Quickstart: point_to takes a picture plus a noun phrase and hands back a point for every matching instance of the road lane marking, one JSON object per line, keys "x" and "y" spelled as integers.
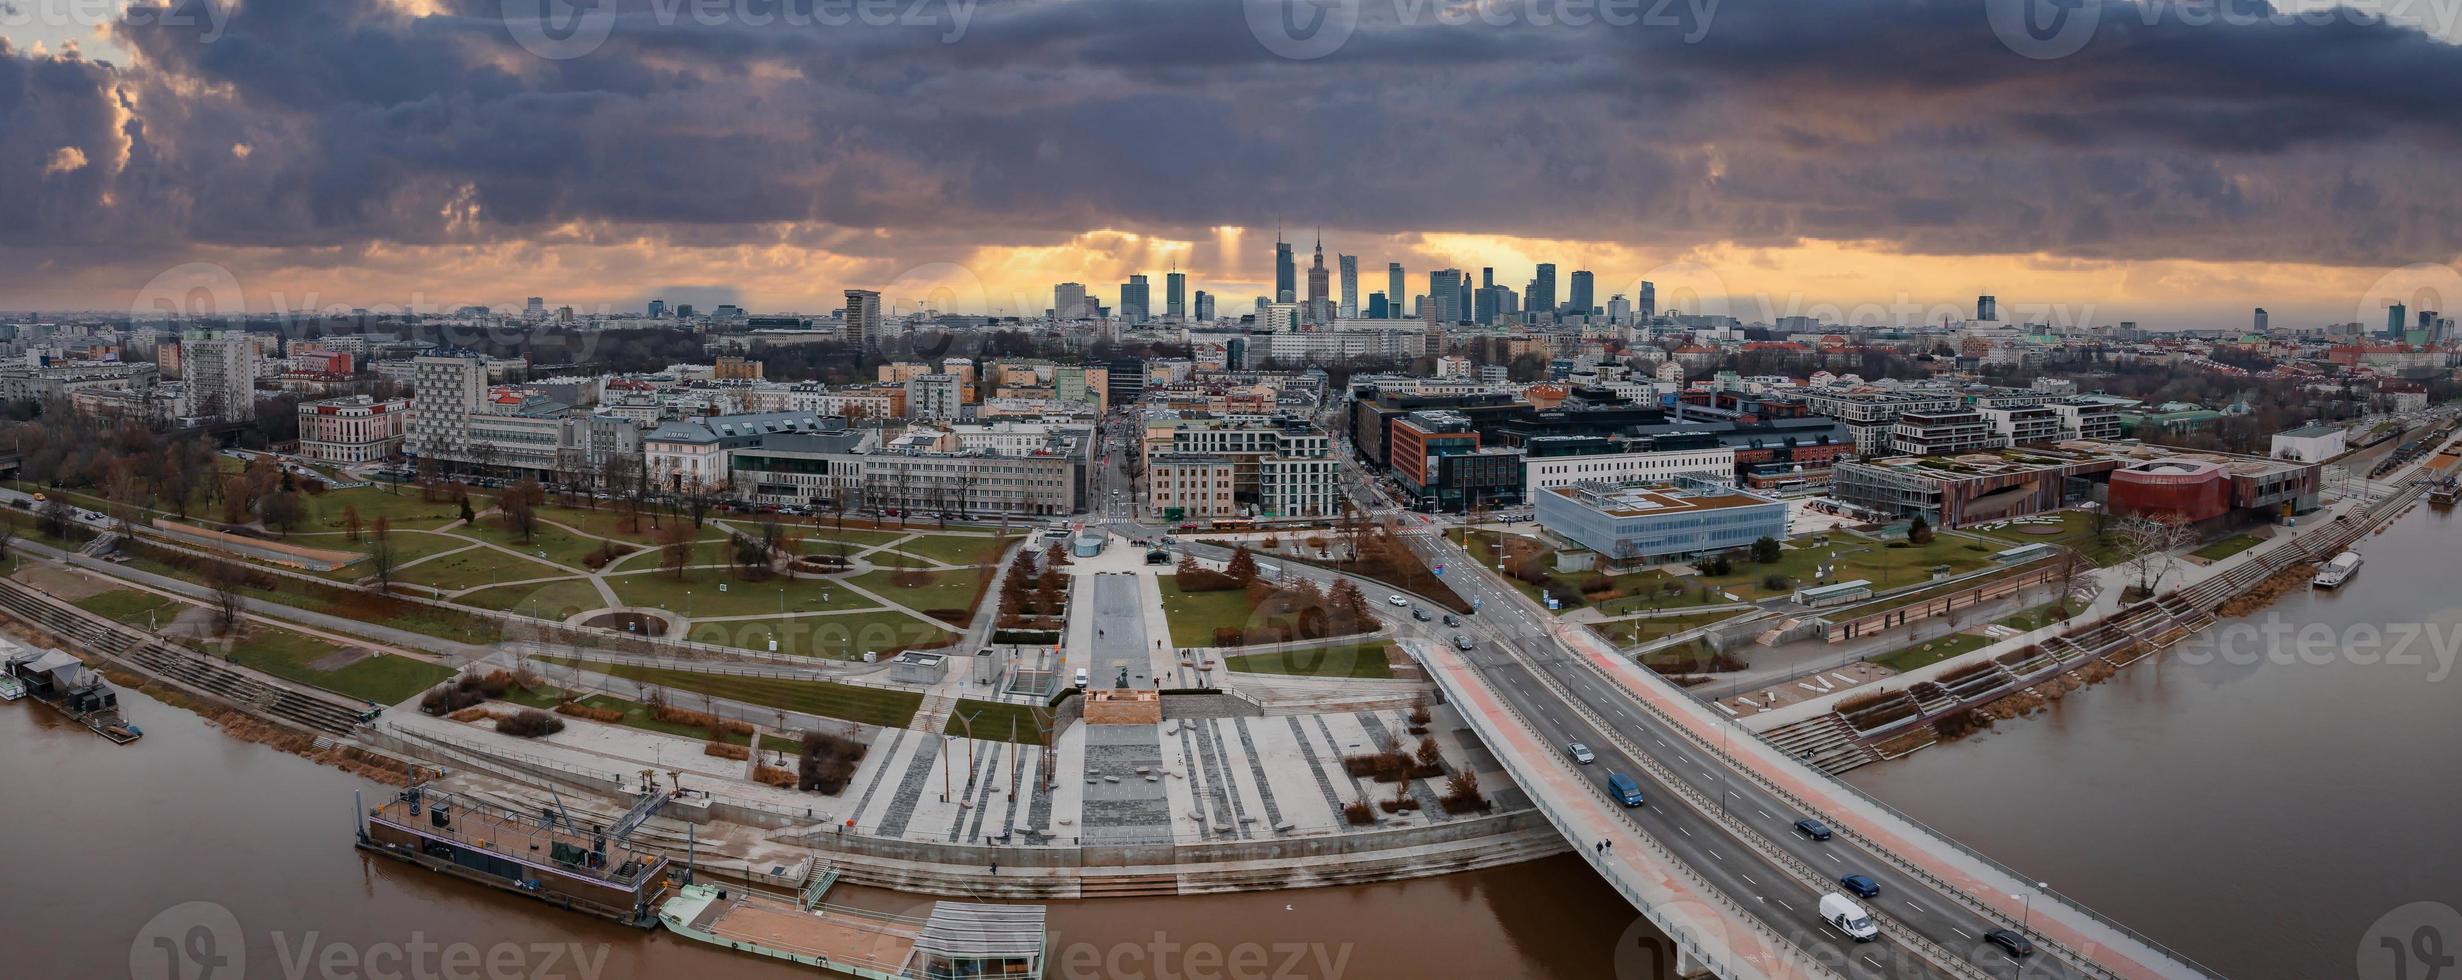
{"x": 1714, "y": 855}
{"x": 1782, "y": 901}
{"x": 1687, "y": 833}
{"x": 1748, "y": 879}
{"x": 1764, "y": 813}
{"x": 1961, "y": 932}
{"x": 1918, "y": 908}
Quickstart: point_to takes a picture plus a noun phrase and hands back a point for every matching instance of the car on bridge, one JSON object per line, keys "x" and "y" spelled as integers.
{"x": 1461, "y": 643}
{"x": 1812, "y": 828}
{"x": 1581, "y": 753}
{"x": 1420, "y": 615}
{"x": 2010, "y": 942}
{"x": 1850, "y": 918}
{"x": 1624, "y": 788}
{"x": 1398, "y": 601}
{"x": 1452, "y": 620}
{"x": 1862, "y": 885}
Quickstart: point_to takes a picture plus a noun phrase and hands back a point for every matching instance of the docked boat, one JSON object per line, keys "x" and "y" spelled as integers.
{"x": 2337, "y": 571}
{"x": 11, "y": 688}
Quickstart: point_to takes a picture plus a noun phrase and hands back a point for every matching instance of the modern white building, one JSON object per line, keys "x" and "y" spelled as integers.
{"x": 2311, "y": 443}
{"x": 1716, "y": 465}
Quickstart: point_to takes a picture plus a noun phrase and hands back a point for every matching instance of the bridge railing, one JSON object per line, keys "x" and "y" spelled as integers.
{"x": 1721, "y": 963}
{"x": 1752, "y": 772}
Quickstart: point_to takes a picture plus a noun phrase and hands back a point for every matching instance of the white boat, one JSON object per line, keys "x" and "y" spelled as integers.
{"x": 11, "y": 688}
{"x": 2337, "y": 571}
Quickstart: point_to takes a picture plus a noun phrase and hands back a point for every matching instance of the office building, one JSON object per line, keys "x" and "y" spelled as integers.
{"x": 863, "y": 318}
{"x": 1349, "y": 308}
{"x": 356, "y": 429}
{"x": 1641, "y": 523}
{"x": 1394, "y": 292}
{"x": 1541, "y": 296}
{"x": 1134, "y": 302}
{"x": 1068, "y": 302}
{"x": 1286, "y": 279}
{"x": 1578, "y": 304}
{"x": 1205, "y": 307}
{"x": 221, "y": 368}
{"x": 1175, "y": 295}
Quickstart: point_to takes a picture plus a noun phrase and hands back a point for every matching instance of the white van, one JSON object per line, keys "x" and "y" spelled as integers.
{"x": 1081, "y": 678}
{"x": 1850, "y": 918}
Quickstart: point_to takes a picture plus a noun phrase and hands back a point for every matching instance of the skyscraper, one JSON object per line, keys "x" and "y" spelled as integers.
{"x": 1286, "y": 278}
{"x": 1987, "y": 309}
{"x": 1135, "y": 300}
{"x": 1619, "y": 309}
{"x": 1646, "y": 304}
{"x": 1350, "y": 286}
{"x": 536, "y": 309}
{"x": 863, "y": 318}
{"x": 1068, "y": 301}
{"x": 1175, "y": 295}
{"x": 1378, "y": 309}
{"x": 1205, "y": 307}
{"x": 658, "y": 309}
{"x": 2396, "y": 317}
{"x": 1578, "y": 304}
{"x": 1393, "y": 291}
{"x": 1445, "y": 296}
{"x": 1320, "y": 301}
{"x": 2259, "y": 323}
{"x": 1541, "y": 297}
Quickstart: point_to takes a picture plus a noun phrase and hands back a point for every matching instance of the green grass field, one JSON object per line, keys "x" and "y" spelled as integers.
{"x": 1194, "y": 616}
{"x": 637, "y": 715}
{"x": 2076, "y": 531}
{"x": 2227, "y": 547}
{"x": 1351, "y": 660}
{"x": 544, "y": 600}
{"x": 404, "y": 509}
{"x": 659, "y": 590}
{"x": 2030, "y": 620}
{"x": 134, "y": 608}
{"x": 548, "y": 543}
{"x": 958, "y": 550}
{"x": 841, "y": 637}
{"x": 1634, "y": 632}
{"x": 870, "y": 706}
{"x": 993, "y": 721}
{"x": 1931, "y": 652}
{"x": 383, "y": 679}
{"x": 956, "y": 590}
{"x": 476, "y": 567}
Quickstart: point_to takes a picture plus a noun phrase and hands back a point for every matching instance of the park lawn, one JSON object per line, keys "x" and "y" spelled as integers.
{"x": 1634, "y": 632}
{"x": 476, "y": 567}
{"x": 1194, "y": 616}
{"x": 2226, "y": 547}
{"x": 348, "y": 603}
{"x": 548, "y": 543}
{"x": 1886, "y": 564}
{"x": 1932, "y": 652}
{"x": 710, "y": 551}
{"x": 993, "y": 721}
{"x": 1367, "y": 660}
{"x": 2077, "y": 530}
{"x": 859, "y": 537}
{"x": 609, "y": 522}
{"x": 1636, "y": 591}
{"x": 637, "y": 715}
{"x": 381, "y": 678}
{"x": 845, "y": 636}
{"x": 132, "y": 607}
{"x": 951, "y": 549}
{"x": 660, "y": 590}
{"x": 866, "y": 705}
{"x": 955, "y": 590}
{"x": 551, "y": 601}
{"x": 2032, "y": 619}
{"x": 408, "y": 546}
{"x": 405, "y": 510}
{"x": 896, "y": 559}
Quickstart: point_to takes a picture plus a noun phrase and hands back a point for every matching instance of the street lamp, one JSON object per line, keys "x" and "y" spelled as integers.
{"x": 2026, "y": 913}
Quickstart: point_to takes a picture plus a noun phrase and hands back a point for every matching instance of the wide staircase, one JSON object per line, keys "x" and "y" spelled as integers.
{"x": 1824, "y": 741}
{"x": 183, "y": 666}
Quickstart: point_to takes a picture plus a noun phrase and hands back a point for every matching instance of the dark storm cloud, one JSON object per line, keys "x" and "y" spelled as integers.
{"x": 1906, "y": 123}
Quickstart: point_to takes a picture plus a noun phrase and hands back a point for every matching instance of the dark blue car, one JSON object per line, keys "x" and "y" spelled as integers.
{"x": 1812, "y": 828}
{"x": 1862, "y": 885}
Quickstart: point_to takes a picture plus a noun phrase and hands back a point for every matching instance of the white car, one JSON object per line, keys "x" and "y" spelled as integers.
{"x": 1580, "y": 753}
{"x": 1397, "y": 600}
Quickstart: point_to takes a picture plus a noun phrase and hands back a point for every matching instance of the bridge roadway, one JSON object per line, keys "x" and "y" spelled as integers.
{"x": 1731, "y": 820}
{"x": 1739, "y": 889}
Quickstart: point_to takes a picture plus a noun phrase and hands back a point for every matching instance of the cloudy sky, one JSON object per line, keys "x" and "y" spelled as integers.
{"x": 1882, "y": 160}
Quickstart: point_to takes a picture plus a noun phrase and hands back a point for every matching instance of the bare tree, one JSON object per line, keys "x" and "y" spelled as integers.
{"x": 2149, "y": 546}
{"x": 382, "y": 559}
{"x": 227, "y": 580}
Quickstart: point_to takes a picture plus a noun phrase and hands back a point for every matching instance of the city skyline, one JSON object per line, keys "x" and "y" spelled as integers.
{"x": 143, "y": 150}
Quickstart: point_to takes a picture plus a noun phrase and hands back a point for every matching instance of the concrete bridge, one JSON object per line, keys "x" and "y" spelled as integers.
{"x": 1712, "y": 858}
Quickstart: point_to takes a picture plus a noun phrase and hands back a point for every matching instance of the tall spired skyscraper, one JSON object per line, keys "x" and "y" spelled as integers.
{"x": 1286, "y": 279}
{"x": 1320, "y": 302}
{"x": 1175, "y": 294}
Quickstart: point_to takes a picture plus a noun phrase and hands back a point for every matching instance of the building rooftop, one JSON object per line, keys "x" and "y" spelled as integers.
{"x": 1638, "y": 499}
